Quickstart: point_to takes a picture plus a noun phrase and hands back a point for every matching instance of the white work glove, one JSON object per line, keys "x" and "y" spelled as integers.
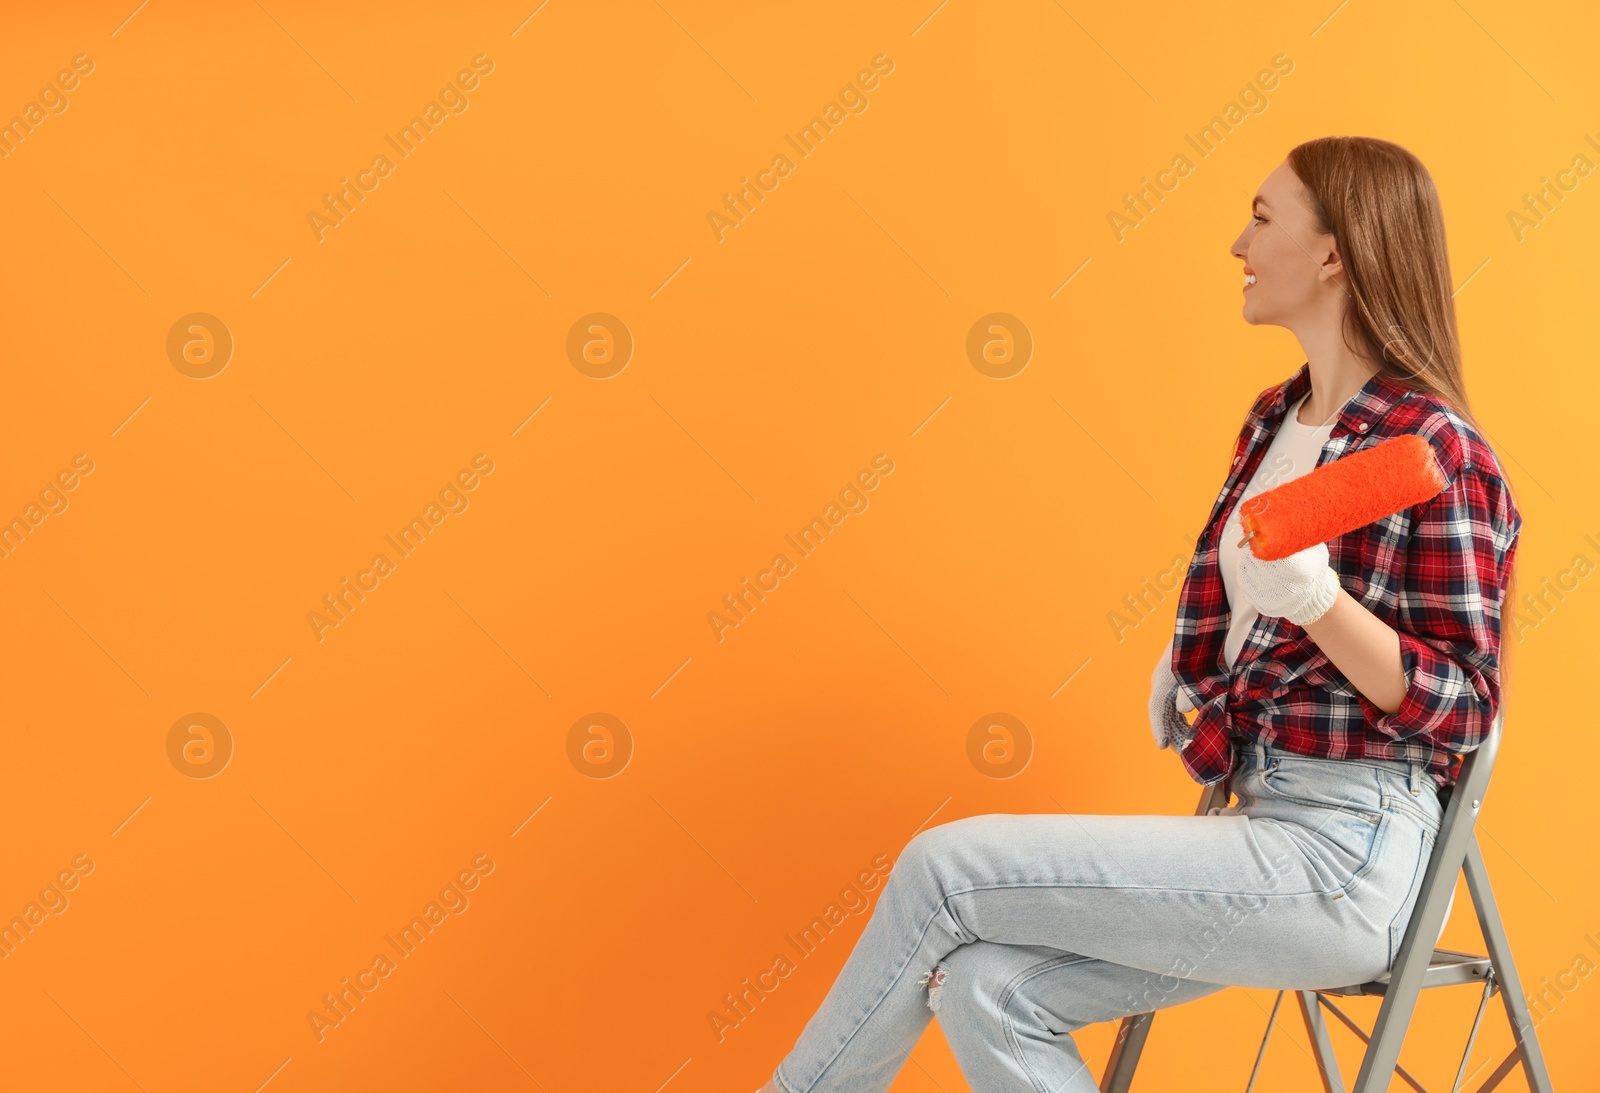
{"x": 1299, "y": 588}
{"x": 1166, "y": 723}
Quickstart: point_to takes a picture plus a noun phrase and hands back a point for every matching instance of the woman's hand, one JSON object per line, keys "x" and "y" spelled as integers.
{"x": 1304, "y": 589}
{"x": 1299, "y": 588}
{"x": 1166, "y": 723}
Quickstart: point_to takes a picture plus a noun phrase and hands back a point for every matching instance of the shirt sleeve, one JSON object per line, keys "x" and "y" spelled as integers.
{"x": 1449, "y": 605}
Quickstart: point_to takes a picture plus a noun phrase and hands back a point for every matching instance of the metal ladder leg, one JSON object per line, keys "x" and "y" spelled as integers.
{"x": 1382, "y": 1058}
{"x": 1317, "y": 1029}
{"x": 1261, "y": 1052}
{"x": 1494, "y": 936}
{"x": 1125, "y": 1051}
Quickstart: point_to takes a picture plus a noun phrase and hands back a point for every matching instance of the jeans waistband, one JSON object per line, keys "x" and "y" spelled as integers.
{"x": 1414, "y": 771}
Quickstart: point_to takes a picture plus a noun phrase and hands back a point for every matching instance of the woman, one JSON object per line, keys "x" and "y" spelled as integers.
{"x": 1332, "y": 690}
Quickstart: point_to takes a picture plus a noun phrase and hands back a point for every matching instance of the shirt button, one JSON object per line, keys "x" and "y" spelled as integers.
{"x": 1361, "y": 426}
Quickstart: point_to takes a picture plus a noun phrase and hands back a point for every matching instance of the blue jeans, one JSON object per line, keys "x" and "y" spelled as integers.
{"x": 1016, "y": 930}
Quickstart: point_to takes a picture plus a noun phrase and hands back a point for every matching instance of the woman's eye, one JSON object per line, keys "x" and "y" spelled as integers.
{"x": 1259, "y": 218}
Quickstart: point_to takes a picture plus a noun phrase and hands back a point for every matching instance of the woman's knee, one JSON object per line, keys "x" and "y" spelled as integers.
{"x": 934, "y": 846}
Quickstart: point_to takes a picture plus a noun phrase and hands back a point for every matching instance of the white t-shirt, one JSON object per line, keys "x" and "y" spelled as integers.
{"x": 1294, "y": 451}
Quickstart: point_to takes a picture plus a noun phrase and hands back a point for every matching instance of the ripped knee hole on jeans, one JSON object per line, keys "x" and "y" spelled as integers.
{"x": 934, "y": 981}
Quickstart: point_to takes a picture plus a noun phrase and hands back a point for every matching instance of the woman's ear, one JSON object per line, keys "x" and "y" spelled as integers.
{"x": 1332, "y": 265}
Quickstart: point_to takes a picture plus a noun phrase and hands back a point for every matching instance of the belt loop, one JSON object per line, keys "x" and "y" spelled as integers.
{"x": 1261, "y": 754}
{"x": 1416, "y": 776}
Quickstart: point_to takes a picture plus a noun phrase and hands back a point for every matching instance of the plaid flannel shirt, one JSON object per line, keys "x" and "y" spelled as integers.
{"x": 1435, "y": 572}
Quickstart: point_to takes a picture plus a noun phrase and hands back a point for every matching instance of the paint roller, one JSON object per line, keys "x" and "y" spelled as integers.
{"x": 1338, "y": 497}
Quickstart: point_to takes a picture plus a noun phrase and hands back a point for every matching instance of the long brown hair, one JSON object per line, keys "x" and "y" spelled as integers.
{"x": 1379, "y": 203}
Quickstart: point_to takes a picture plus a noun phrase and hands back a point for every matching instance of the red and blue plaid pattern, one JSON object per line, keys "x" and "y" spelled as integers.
{"x": 1436, "y": 572}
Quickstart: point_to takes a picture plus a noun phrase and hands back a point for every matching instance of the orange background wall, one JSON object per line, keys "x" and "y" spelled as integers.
{"x": 765, "y": 768}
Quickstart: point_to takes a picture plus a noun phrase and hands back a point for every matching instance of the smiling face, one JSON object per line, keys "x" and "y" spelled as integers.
{"x": 1292, "y": 268}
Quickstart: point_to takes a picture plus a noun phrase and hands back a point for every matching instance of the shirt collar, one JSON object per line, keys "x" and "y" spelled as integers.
{"x": 1365, "y": 409}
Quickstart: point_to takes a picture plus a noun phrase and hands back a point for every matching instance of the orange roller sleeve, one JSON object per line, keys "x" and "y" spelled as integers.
{"x": 1341, "y": 496}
